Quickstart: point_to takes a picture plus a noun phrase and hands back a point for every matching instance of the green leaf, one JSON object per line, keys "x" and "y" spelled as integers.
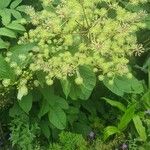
{"x": 15, "y": 3}
{"x": 117, "y": 104}
{"x": 57, "y": 117}
{"x": 6, "y": 16}
{"x": 16, "y": 14}
{"x": 15, "y": 110}
{"x": 16, "y": 26}
{"x": 66, "y": 86}
{"x": 124, "y": 85}
{"x": 110, "y": 130}
{"x": 54, "y": 100}
{"x": 127, "y": 117}
{"x": 146, "y": 99}
{"x": 3, "y": 44}
{"x": 89, "y": 81}
{"x": 61, "y": 102}
{"x": 7, "y": 32}
{"x": 4, "y": 3}
{"x": 5, "y": 70}
{"x": 113, "y": 88}
{"x": 22, "y": 8}
{"x": 44, "y": 108}
{"x": 19, "y": 50}
{"x": 45, "y": 129}
{"x": 26, "y": 103}
{"x": 139, "y": 127}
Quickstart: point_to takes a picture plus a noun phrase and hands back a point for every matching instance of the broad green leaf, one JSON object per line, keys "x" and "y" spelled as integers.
{"x": 44, "y": 108}
{"x": 4, "y": 3}
{"x": 61, "y": 102}
{"x": 26, "y": 103}
{"x": 7, "y": 32}
{"x": 117, "y": 104}
{"x": 16, "y": 26}
{"x": 57, "y": 117}
{"x": 66, "y": 86}
{"x": 5, "y": 70}
{"x": 139, "y": 127}
{"x": 110, "y": 130}
{"x": 114, "y": 88}
{"x": 6, "y": 16}
{"x": 54, "y": 100}
{"x": 127, "y": 117}
{"x": 89, "y": 81}
{"x": 124, "y": 85}
{"x": 48, "y": 93}
{"x": 3, "y": 44}
{"x": 15, "y": 3}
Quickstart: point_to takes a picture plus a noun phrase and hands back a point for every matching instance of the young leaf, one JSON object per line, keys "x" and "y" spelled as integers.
{"x": 127, "y": 117}
{"x": 6, "y": 16}
{"x": 110, "y": 130}
{"x": 66, "y": 86}
{"x": 3, "y": 44}
{"x": 57, "y": 117}
{"x": 26, "y": 103}
{"x": 115, "y": 104}
{"x": 7, "y": 32}
{"x": 15, "y": 3}
{"x": 16, "y": 26}
{"x": 16, "y": 14}
{"x": 4, "y": 3}
{"x": 139, "y": 127}
{"x": 22, "y": 8}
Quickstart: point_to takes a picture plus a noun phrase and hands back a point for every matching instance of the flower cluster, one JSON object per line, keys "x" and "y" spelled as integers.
{"x": 81, "y": 32}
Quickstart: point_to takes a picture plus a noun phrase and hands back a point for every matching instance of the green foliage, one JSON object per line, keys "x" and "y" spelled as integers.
{"x": 12, "y": 21}
{"x": 70, "y": 141}
{"x": 73, "y": 80}
{"x": 23, "y": 133}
